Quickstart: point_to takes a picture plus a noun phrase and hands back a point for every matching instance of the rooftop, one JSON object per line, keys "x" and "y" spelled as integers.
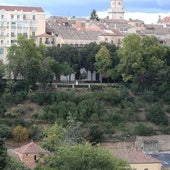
{"x": 31, "y": 148}
{"x": 21, "y": 8}
{"x": 136, "y": 157}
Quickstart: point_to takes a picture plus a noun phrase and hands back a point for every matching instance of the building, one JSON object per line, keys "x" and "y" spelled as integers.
{"x": 19, "y": 20}
{"x": 139, "y": 160}
{"x": 116, "y": 10}
{"x": 30, "y": 154}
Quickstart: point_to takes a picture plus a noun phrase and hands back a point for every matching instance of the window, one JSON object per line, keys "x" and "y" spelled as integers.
{"x": 2, "y": 16}
{"x": 33, "y": 17}
{"x": 1, "y": 51}
{"x": 12, "y": 34}
{"x": 146, "y": 169}
{"x": 25, "y": 34}
{"x": 12, "y": 16}
{"x": 35, "y": 157}
{"x": 33, "y": 34}
{"x": 18, "y": 17}
{"x": 24, "y": 17}
{"x": 47, "y": 41}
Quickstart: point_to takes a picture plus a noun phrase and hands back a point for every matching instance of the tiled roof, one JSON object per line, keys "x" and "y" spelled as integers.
{"x": 69, "y": 33}
{"x": 21, "y": 8}
{"x": 31, "y": 148}
{"x": 135, "y": 157}
{"x": 166, "y": 19}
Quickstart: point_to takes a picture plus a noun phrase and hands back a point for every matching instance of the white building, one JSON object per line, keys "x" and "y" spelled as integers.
{"x": 19, "y": 20}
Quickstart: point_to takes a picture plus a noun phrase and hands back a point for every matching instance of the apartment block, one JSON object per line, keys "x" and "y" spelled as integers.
{"x": 19, "y": 20}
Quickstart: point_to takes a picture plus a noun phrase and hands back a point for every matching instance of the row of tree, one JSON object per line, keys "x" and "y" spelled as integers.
{"x": 140, "y": 61}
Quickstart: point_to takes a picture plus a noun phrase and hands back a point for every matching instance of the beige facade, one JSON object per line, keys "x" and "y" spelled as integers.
{"x": 48, "y": 40}
{"x": 18, "y": 20}
{"x": 111, "y": 38}
{"x": 151, "y": 166}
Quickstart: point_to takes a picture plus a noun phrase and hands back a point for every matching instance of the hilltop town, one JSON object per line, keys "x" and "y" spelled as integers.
{"x": 75, "y": 86}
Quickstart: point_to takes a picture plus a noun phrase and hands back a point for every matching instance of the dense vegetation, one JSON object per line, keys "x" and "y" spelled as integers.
{"x": 135, "y": 100}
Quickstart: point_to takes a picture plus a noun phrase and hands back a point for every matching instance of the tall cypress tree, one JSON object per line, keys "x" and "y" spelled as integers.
{"x": 3, "y": 155}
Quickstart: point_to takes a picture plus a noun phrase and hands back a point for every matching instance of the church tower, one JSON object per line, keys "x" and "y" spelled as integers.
{"x": 116, "y": 10}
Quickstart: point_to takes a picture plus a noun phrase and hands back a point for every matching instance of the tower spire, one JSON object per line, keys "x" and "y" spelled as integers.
{"x": 116, "y": 10}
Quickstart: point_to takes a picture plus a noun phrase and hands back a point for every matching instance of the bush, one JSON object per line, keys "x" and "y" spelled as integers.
{"x": 157, "y": 115}
{"x": 87, "y": 108}
{"x": 143, "y": 130}
{"x": 5, "y": 132}
{"x": 20, "y": 133}
{"x": 110, "y": 95}
{"x": 95, "y": 133}
{"x": 149, "y": 96}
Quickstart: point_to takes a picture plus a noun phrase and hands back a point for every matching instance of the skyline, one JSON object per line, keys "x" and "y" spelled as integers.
{"x": 142, "y": 9}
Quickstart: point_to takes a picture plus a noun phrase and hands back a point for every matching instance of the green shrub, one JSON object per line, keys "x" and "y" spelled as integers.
{"x": 5, "y": 131}
{"x": 42, "y": 98}
{"x": 87, "y": 108}
{"x": 110, "y": 95}
{"x": 157, "y": 115}
{"x": 149, "y": 96}
{"x": 95, "y": 133}
{"x": 142, "y": 130}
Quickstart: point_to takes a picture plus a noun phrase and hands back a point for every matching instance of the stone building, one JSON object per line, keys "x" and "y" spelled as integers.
{"x": 30, "y": 154}
{"x": 116, "y": 10}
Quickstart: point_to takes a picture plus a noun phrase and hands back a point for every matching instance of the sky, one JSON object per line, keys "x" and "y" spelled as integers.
{"x": 146, "y": 10}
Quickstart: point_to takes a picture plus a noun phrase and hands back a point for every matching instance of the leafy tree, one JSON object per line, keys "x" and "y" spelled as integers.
{"x": 143, "y": 61}
{"x": 54, "y": 137}
{"x": 3, "y": 155}
{"x": 20, "y": 133}
{"x": 103, "y": 61}
{"x": 87, "y": 54}
{"x": 94, "y": 16}
{"x": 82, "y": 157}
{"x": 74, "y": 133}
{"x": 67, "y": 70}
{"x": 49, "y": 68}
{"x": 2, "y": 80}
{"x": 24, "y": 60}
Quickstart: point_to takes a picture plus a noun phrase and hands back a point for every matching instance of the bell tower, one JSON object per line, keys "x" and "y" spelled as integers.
{"x": 116, "y": 10}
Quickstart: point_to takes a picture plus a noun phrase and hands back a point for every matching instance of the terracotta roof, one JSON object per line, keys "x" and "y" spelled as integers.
{"x": 31, "y": 148}
{"x": 166, "y": 19}
{"x": 21, "y": 8}
{"x": 136, "y": 157}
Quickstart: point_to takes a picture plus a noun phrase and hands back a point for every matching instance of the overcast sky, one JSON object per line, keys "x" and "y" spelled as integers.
{"x": 81, "y": 8}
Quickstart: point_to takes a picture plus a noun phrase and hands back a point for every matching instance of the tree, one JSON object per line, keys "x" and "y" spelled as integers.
{"x": 94, "y": 16}
{"x": 20, "y": 133}
{"x": 82, "y": 157}
{"x": 67, "y": 70}
{"x": 54, "y": 137}
{"x": 2, "y": 80}
{"x": 87, "y": 55}
{"x": 103, "y": 61}
{"x": 3, "y": 155}
{"x": 142, "y": 61}
{"x": 25, "y": 60}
